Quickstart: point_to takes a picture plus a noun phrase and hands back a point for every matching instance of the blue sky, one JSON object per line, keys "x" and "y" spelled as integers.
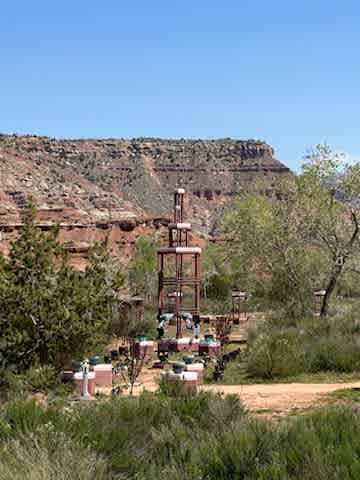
{"x": 287, "y": 72}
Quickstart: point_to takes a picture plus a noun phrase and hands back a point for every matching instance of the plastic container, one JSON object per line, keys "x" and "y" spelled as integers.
{"x": 178, "y": 367}
{"x": 187, "y": 380}
{"x": 163, "y": 345}
{"x": 188, "y": 359}
{"x": 179, "y": 344}
{"x": 209, "y": 338}
{"x": 211, "y": 349}
{"x": 142, "y": 338}
{"x": 94, "y": 360}
{"x": 145, "y": 347}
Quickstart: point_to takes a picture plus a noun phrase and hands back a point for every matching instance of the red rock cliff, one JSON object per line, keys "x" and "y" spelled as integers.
{"x": 122, "y": 188}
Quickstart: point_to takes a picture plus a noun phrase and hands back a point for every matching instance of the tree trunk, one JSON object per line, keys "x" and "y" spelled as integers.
{"x": 338, "y": 267}
{"x": 330, "y": 289}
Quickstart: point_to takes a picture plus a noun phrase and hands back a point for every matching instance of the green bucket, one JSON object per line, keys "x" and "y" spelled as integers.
{"x": 178, "y": 367}
{"x": 95, "y": 360}
{"x": 142, "y": 338}
{"x": 209, "y": 338}
{"x": 188, "y": 359}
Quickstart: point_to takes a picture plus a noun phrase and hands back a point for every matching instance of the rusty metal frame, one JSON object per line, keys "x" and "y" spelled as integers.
{"x": 184, "y": 284}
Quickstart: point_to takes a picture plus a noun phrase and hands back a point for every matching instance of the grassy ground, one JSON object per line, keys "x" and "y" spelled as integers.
{"x": 351, "y": 395}
{"x": 236, "y": 373}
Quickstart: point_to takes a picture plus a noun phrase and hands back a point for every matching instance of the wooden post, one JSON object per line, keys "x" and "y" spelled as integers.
{"x": 197, "y": 284}
{"x": 178, "y": 289}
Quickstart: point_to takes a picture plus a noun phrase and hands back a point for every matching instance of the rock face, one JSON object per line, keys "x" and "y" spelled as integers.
{"x": 122, "y": 189}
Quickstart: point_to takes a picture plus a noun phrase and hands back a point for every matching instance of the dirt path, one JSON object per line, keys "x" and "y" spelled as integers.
{"x": 281, "y": 397}
{"x": 276, "y": 397}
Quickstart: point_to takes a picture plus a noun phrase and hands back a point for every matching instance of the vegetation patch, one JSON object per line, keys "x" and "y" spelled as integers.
{"x": 203, "y": 436}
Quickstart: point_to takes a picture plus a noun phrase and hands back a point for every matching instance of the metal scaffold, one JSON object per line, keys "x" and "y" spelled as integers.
{"x": 179, "y": 272}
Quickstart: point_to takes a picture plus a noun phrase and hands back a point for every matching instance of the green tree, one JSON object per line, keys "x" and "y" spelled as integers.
{"x": 49, "y": 312}
{"x": 216, "y": 278}
{"x": 329, "y": 188}
{"x": 306, "y": 235}
{"x": 143, "y": 267}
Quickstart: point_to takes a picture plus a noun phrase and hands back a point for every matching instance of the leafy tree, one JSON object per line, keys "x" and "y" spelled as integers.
{"x": 49, "y": 312}
{"x": 216, "y": 274}
{"x": 305, "y": 236}
{"x": 330, "y": 192}
{"x": 276, "y": 257}
{"x": 143, "y": 267}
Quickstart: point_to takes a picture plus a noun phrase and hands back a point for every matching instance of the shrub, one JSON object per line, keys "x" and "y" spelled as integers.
{"x": 275, "y": 354}
{"x": 41, "y": 378}
{"x": 239, "y": 451}
{"x": 11, "y": 384}
{"x": 31, "y": 459}
{"x": 310, "y": 346}
{"x": 153, "y": 436}
{"x": 170, "y": 389}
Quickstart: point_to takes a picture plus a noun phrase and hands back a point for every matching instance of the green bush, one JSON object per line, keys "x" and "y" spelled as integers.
{"x": 41, "y": 378}
{"x": 31, "y": 459}
{"x": 203, "y": 437}
{"x": 275, "y": 354}
{"x": 123, "y": 431}
{"x": 310, "y": 346}
{"x": 11, "y": 384}
{"x": 170, "y": 389}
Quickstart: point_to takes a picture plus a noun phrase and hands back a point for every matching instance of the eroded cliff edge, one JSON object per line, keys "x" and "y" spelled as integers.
{"x": 122, "y": 188}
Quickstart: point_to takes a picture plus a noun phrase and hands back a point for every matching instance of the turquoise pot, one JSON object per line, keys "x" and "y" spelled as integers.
{"x": 209, "y": 338}
{"x": 188, "y": 359}
{"x": 95, "y": 360}
{"x": 178, "y": 367}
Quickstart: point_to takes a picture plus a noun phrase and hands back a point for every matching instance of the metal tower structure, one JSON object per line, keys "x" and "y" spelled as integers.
{"x": 179, "y": 271}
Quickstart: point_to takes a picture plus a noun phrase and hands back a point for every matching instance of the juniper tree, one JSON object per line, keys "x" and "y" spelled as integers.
{"x": 48, "y": 311}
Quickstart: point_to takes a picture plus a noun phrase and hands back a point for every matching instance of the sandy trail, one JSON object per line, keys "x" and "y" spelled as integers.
{"x": 277, "y": 397}
{"x": 281, "y": 397}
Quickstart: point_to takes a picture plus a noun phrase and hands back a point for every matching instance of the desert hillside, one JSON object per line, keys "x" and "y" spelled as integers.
{"x": 122, "y": 188}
